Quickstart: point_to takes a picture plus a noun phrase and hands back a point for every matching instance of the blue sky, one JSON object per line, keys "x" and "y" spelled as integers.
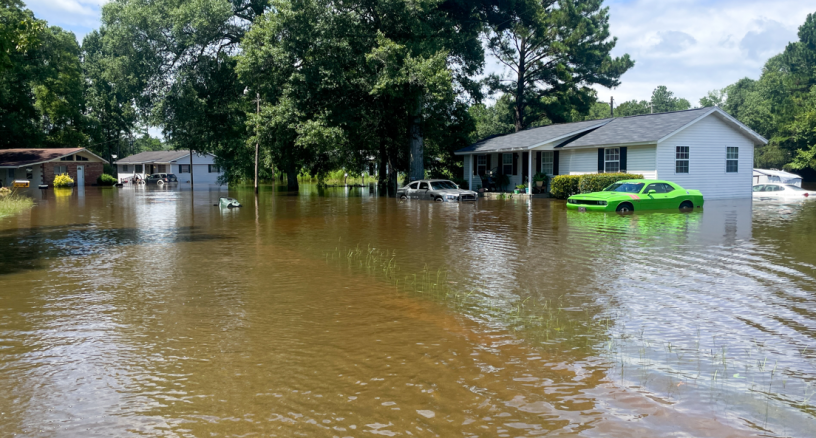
{"x": 690, "y": 46}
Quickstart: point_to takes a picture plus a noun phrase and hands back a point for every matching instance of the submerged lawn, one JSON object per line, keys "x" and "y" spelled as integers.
{"x": 12, "y": 203}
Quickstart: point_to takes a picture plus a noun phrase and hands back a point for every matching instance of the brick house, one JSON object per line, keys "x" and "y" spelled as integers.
{"x": 40, "y": 166}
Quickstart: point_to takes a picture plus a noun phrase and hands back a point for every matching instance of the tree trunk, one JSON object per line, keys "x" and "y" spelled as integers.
{"x": 417, "y": 166}
{"x": 291, "y": 179}
{"x": 519, "y": 107}
{"x": 382, "y": 170}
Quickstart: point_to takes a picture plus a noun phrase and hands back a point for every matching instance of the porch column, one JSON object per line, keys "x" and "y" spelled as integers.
{"x": 530, "y": 171}
{"x": 470, "y": 174}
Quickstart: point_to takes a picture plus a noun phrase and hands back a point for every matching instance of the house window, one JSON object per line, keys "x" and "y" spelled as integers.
{"x": 212, "y": 168}
{"x": 11, "y": 173}
{"x": 732, "y": 159}
{"x": 68, "y": 158}
{"x": 547, "y": 162}
{"x": 124, "y": 168}
{"x": 81, "y": 158}
{"x": 611, "y": 160}
{"x": 162, "y": 168}
{"x": 481, "y": 164}
{"x": 507, "y": 164}
{"x": 681, "y": 159}
{"x": 139, "y": 168}
{"x": 184, "y": 168}
{"x": 59, "y": 170}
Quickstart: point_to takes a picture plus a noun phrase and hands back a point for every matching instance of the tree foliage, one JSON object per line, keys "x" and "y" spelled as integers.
{"x": 781, "y": 104}
{"x": 555, "y": 50}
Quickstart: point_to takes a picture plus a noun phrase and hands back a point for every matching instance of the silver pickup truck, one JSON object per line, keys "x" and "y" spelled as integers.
{"x": 439, "y": 190}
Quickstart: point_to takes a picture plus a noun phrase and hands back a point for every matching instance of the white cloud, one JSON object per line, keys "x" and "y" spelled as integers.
{"x": 673, "y": 41}
{"x": 696, "y": 46}
{"x": 78, "y": 16}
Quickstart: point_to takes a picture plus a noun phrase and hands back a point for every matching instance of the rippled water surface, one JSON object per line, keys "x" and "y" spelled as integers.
{"x": 337, "y": 313}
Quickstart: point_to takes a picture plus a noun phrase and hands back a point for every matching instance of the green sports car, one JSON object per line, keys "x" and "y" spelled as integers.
{"x": 635, "y": 195}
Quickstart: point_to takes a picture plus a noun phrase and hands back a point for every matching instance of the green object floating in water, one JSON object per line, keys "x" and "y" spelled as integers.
{"x": 228, "y": 203}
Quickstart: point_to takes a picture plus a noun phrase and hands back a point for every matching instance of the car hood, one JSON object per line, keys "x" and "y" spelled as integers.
{"x": 455, "y": 192}
{"x": 603, "y": 196}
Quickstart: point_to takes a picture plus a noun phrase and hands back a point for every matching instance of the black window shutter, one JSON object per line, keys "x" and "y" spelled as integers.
{"x": 515, "y": 163}
{"x": 489, "y": 162}
{"x": 537, "y": 164}
{"x": 600, "y": 160}
{"x": 623, "y": 160}
{"x": 474, "y": 161}
{"x": 555, "y": 162}
{"x": 525, "y": 165}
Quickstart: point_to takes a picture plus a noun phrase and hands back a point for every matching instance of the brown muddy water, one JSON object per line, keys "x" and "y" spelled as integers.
{"x": 149, "y": 312}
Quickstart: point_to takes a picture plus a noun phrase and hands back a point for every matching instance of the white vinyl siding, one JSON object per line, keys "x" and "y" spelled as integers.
{"x": 640, "y": 160}
{"x": 707, "y": 141}
{"x": 578, "y": 161}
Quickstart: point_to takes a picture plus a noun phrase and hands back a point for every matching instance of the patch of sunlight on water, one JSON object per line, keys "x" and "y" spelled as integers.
{"x": 333, "y": 312}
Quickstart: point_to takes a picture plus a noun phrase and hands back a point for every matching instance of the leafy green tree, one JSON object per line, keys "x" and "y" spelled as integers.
{"x": 713, "y": 98}
{"x": 59, "y": 90}
{"x": 109, "y": 94}
{"x": 632, "y": 108}
{"x": 555, "y": 50}
{"x": 180, "y": 56}
{"x": 663, "y": 101}
{"x": 496, "y": 119}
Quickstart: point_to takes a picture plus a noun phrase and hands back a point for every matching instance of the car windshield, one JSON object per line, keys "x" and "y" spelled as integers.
{"x": 626, "y": 187}
{"x": 443, "y": 185}
{"x": 795, "y": 188}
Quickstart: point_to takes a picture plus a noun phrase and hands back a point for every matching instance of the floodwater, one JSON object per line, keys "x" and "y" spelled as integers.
{"x": 150, "y": 312}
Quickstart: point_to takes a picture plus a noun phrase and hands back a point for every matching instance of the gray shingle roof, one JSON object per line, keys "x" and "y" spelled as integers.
{"x": 646, "y": 128}
{"x": 530, "y": 137}
{"x": 638, "y": 129}
{"x": 154, "y": 157}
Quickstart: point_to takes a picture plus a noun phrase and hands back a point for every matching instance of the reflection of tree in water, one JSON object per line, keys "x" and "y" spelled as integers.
{"x": 29, "y": 248}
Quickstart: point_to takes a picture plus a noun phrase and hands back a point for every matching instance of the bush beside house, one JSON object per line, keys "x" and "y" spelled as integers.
{"x": 595, "y": 182}
{"x": 106, "y": 180}
{"x": 564, "y": 186}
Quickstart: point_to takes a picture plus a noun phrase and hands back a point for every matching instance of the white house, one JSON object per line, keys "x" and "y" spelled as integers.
{"x": 204, "y": 169}
{"x": 704, "y": 149}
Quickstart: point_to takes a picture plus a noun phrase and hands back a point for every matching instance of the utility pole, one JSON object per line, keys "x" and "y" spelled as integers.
{"x": 611, "y": 106}
{"x": 257, "y": 140}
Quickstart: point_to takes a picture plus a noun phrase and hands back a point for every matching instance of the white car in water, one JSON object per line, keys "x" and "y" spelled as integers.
{"x": 782, "y": 192}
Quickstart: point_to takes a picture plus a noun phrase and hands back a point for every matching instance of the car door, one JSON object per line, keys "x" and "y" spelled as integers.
{"x": 410, "y": 190}
{"x": 652, "y": 201}
{"x": 422, "y": 192}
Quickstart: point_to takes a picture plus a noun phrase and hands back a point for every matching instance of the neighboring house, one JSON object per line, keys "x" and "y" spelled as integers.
{"x": 704, "y": 149}
{"x": 204, "y": 170}
{"x": 763, "y": 176}
{"x": 39, "y": 166}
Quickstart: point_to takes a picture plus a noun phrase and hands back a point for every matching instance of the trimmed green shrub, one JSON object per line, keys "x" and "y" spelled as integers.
{"x": 106, "y": 180}
{"x": 595, "y": 182}
{"x": 564, "y": 186}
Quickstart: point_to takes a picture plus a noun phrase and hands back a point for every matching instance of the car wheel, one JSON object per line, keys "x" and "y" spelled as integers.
{"x": 438, "y": 199}
{"x": 403, "y": 197}
{"x": 625, "y": 207}
{"x": 160, "y": 182}
{"x": 686, "y": 205}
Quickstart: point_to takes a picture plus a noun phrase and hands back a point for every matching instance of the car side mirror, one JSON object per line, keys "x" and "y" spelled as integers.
{"x": 652, "y": 192}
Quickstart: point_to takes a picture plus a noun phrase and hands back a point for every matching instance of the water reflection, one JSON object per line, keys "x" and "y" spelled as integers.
{"x": 148, "y": 311}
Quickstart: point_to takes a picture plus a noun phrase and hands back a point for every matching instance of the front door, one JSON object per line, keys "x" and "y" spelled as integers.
{"x": 80, "y": 181}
